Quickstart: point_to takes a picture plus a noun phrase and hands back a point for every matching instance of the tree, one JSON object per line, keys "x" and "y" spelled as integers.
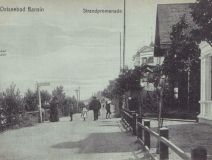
{"x": 58, "y": 92}
{"x": 12, "y": 104}
{"x": 182, "y": 62}
{"x": 31, "y": 99}
{"x": 45, "y": 97}
{"x": 70, "y": 101}
{"x": 202, "y": 16}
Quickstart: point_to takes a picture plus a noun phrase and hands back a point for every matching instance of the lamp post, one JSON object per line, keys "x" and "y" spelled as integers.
{"x": 39, "y": 99}
{"x": 160, "y": 89}
{"x": 142, "y": 85}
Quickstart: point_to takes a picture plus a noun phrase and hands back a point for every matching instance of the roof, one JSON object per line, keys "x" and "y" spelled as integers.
{"x": 144, "y": 49}
{"x": 167, "y": 16}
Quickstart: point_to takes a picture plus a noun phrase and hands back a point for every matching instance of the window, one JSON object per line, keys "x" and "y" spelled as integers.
{"x": 144, "y": 60}
{"x": 150, "y": 60}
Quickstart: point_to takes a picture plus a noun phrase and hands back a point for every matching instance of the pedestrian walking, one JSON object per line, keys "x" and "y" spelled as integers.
{"x": 84, "y": 113}
{"x": 95, "y": 105}
{"x": 43, "y": 114}
{"x": 71, "y": 112}
{"x": 108, "y": 112}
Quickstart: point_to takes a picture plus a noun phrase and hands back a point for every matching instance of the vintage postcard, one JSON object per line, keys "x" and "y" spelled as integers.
{"x": 105, "y": 79}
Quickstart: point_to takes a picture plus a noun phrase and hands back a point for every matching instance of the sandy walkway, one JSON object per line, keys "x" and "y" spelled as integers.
{"x": 65, "y": 140}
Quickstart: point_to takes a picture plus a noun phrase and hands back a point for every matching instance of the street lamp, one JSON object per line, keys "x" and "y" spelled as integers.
{"x": 142, "y": 85}
{"x": 39, "y": 98}
{"x": 161, "y": 87}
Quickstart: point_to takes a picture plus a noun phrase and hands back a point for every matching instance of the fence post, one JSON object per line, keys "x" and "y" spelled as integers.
{"x": 134, "y": 123}
{"x": 164, "y": 150}
{"x": 122, "y": 115}
{"x": 147, "y": 134}
{"x": 139, "y": 129}
{"x": 199, "y": 153}
{"x": 124, "y": 118}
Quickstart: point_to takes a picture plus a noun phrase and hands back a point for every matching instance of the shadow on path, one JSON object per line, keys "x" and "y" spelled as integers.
{"x": 109, "y": 125}
{"x": 102, "y": 143}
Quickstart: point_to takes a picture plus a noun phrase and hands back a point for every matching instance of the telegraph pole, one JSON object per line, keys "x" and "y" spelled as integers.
{"x": 39, "y": 104}
{"x": 120, "y": 52}
{"x": 124, "y": 35}
{"x": 39, "y": 99}
{"x": 79, "y": 93}
{"x": 78, "y": 97}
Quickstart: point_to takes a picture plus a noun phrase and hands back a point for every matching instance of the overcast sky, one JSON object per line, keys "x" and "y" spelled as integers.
{"x": 65, "y": 46}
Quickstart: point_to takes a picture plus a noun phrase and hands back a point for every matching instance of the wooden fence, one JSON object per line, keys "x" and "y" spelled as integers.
{"x": 141, "y": 128}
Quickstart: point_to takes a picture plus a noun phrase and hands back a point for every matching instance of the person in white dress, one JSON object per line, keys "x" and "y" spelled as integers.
{"x": 84, "y": 113}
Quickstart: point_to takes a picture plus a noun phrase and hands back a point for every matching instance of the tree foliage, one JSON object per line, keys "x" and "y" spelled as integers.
{"x": 31, "y": 99}
{"x": 202, "y": 15}
{"x": 183, "y": 58}
{"x": 184, "y": 51}
{"x": 58, "y": 93}
{"x": 127, "y": 81}
{"x": 12, "y": 103}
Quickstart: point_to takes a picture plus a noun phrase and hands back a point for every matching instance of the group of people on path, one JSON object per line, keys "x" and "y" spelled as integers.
{"x": 94, "y": 105}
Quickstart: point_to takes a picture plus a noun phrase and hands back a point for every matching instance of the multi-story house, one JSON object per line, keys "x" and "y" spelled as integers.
{"x": 145, "y": 56}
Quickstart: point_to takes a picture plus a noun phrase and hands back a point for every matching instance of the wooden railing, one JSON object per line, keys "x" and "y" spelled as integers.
{"x": 141, "y": 128}
{"x": 129, "y": 119}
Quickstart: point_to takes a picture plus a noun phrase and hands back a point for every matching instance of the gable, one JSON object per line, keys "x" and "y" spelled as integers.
{"x": 167, "y": 16}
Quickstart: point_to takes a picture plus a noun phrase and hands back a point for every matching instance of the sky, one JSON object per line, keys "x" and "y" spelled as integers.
{"x": 65, "y": 46}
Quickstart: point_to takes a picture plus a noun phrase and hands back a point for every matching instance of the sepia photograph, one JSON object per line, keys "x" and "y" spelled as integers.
{"x": 106, "y": 79}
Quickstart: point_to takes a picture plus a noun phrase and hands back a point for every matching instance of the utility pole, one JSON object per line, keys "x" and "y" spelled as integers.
{"x": 79, "y": 93}
{"x": 39, "y": 104}
{"x": 78, "y": 97}
{"x": 39, "y": 99}
{"x": 124, "y": 36}
{"x": 120, "y": 53}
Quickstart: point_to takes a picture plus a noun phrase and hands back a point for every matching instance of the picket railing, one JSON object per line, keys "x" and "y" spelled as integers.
{"x": 129, "y": 119}
{"x": 141, "y": 128}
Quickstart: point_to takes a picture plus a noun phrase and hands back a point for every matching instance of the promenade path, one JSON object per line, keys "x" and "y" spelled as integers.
{"x": 77, "y": 140}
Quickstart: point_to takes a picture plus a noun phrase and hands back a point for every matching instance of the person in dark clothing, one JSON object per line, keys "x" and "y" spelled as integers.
{"x": 108, "y": 113}
{"x": 54, "y": 115}
{"x": 71, "y": 112}
{"x": 95, "y": 105}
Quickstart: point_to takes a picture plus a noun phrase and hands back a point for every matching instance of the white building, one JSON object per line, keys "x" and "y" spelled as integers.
{"x": 145, "y": 55}
{"x": 205, "y": 115}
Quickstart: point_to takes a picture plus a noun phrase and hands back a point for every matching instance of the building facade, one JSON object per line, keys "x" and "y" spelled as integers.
{"x": 205, "y": 115}
{"x": 145, "y": 56}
